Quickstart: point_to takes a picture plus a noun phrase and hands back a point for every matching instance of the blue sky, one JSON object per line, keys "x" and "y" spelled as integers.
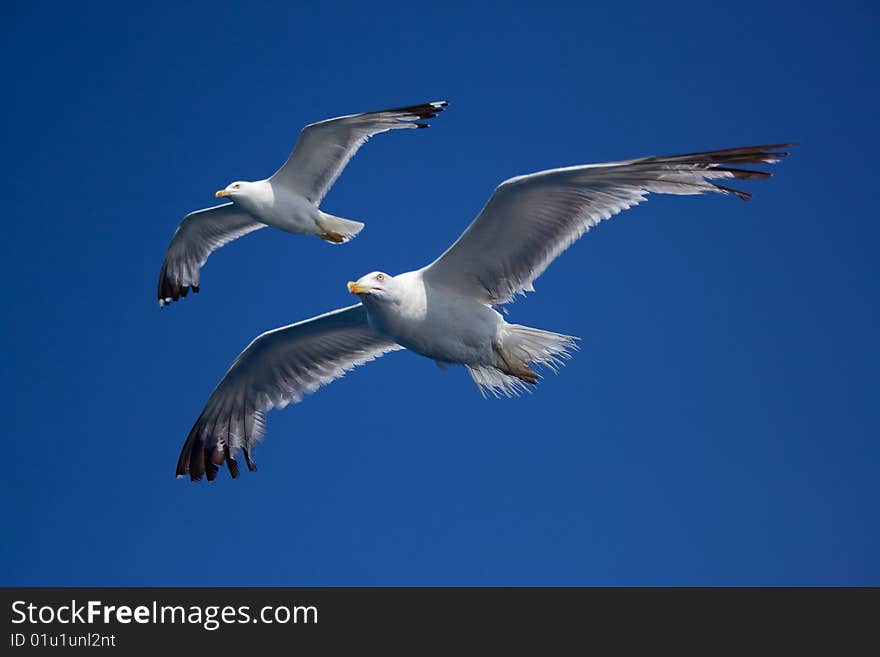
{"x": 718, "y": 426}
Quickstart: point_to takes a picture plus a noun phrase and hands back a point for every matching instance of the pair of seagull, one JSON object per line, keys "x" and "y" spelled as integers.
{"x": 447, "y": 310}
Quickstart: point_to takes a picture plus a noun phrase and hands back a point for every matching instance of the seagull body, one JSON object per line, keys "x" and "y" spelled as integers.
{"x": 272, "y": 204}
{"x": 446, "y": 310}
{"x": 454, "y": 330}
{"x": 288, "y": 200}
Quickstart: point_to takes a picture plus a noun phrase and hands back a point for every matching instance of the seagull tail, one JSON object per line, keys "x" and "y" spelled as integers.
{"x": 520, "y": 346}
{"x": 336, "y": 229}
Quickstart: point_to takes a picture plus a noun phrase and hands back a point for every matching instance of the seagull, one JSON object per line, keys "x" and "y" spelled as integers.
{"x": 287, "y": 200}
{"x": 448, "y": 310}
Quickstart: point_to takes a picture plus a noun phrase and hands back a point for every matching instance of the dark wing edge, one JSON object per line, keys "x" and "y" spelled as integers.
{"x": 199, "y": 234}
{"x": 531, "y": 219}
{"x": 279, "y": 367}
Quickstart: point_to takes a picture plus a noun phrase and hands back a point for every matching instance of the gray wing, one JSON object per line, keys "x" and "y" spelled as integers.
{"x": 324, "y": 148}
{"x": 531, "y": 219}
{"x": 198, "y": 235}
{"x": 277, "y": 368}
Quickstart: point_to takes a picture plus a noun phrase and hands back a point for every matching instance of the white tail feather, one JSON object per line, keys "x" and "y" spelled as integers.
{"x": 345, "y": 227}
{"x": 528, "y": 345}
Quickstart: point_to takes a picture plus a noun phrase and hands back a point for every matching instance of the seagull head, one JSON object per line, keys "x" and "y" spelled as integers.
{"x": 237, "y": 189}
{"x": 374, "y": 284}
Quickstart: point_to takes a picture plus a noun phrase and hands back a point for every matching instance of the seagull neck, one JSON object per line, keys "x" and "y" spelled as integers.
{"x": 259, "y": 195}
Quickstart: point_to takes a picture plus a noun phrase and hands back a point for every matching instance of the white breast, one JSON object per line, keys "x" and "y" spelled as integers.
{"x": 435, "y": 323}
{"x": 283, "y": 209}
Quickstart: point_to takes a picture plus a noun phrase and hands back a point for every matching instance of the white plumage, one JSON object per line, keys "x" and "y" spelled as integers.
{"x": 288, "y": 200}
{"x": 444, "y": 311}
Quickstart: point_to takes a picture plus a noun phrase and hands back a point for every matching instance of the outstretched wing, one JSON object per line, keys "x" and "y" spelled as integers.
{"x": 324, "y": 148}
{"x": 531, "y": 219}
{"x": 277, "y": 368}
{"x": 197, "y": 236}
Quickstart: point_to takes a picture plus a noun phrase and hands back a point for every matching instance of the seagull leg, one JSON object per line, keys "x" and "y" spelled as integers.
{"x": 518, "y": 369}
{"x": 328, "y": 235}
{"x": 334, "y": 238}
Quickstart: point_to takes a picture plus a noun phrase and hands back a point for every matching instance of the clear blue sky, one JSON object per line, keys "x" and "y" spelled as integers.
{"x": 719, "y": 425}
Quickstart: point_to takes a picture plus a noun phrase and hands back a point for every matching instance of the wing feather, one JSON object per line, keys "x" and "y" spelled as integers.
{"x": 531, "y": 219}
{"x": 324, "y": 148}
{"x": 277, "y": 368}
{"x": 198, "y": 235}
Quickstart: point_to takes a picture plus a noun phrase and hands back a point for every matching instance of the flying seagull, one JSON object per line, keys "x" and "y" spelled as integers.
{"x": 446, "y": 310}
{"x": 288, "y": 200}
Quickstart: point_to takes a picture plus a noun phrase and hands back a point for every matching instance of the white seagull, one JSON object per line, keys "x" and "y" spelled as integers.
{"x": 288, "y": 200}
{"x": 446, "y": 310}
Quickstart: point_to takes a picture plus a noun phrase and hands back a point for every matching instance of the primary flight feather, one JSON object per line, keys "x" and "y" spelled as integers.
{"x": 445, "y": 311}
{"x": 287, "y": 200}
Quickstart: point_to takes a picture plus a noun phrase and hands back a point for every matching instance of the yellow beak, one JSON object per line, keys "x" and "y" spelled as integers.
{"x": 354, "y": 288}
{"x": 221, "y": 193}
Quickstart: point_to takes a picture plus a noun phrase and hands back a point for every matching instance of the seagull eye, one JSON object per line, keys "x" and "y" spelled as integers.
{"x": 236, "y": 186}
{"x": 380, "y": 277}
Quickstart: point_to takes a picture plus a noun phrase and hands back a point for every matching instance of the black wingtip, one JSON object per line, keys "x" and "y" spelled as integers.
{"x": 422, "y": 111}
{"x": 762, "y": 154}
{"x": 727, "y": 161}
{"x": 204, "y": 452}
{"x": 171, "y": 290}
{"x": 169, "y": 293}
{"x": 250, "y": 463}
{"x": 231, "y": 463}
{"x": 745, "y": 196}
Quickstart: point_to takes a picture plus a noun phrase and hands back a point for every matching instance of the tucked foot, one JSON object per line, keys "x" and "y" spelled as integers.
{"x": 513, "y": 367}
{"x": 525, "y": 373}
{"x": 330, "y": 236}
{"x": 336, "y": 230}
